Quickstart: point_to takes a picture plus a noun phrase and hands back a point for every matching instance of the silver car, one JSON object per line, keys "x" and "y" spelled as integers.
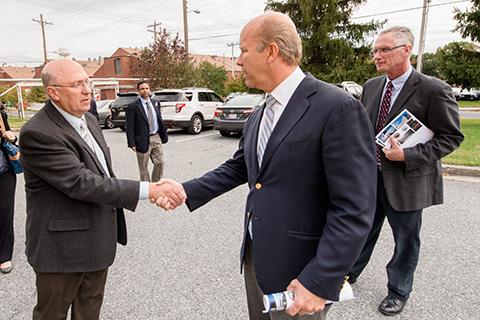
{"x": 104, "y": 115}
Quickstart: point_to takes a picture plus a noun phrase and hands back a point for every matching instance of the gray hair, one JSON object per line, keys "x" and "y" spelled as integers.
{"x": 284, "y": 33}
{"x": 47, "y": 76}
{"x": 403, "y": 35}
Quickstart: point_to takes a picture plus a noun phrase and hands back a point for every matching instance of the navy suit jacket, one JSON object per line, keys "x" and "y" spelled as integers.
{"x": 312, "y": 201}
{"x": 137, "y": 127}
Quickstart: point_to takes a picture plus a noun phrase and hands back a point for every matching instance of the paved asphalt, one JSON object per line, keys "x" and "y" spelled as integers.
{"x": 183, "y": 265}
{"x": 470, "y": 114}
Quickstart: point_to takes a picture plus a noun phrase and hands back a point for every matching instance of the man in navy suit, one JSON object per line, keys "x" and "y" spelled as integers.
{"x": 308, "y": 157}
{"x": 146, "y": 133}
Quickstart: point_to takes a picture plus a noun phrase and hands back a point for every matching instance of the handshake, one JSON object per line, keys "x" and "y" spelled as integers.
{"x": 167, "y": 194}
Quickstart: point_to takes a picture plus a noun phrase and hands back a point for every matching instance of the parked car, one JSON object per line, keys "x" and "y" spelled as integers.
{"x": 463, "y": 94}
{"x": 232, "y": 115}
{"x": 104, "y": 115}
{"x": 119, "y": 106}
{"x": 190, "y": 109}
{"x": 351, "y": 87}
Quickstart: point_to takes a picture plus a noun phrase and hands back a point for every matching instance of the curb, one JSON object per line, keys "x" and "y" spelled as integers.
{"x": 469, "y": 109}
{"x": 451, "y": 170}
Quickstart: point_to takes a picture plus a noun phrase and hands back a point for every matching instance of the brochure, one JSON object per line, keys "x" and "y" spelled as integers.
{"x": 407, "y": 129}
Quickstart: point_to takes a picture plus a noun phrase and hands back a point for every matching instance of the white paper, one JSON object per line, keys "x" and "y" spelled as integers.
{"x": 407, "y": 129}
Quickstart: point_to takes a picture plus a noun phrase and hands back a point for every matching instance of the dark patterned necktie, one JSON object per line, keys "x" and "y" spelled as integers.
{"x": 382, "y": 115}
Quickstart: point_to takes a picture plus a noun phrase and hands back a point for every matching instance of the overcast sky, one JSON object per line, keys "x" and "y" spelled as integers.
{"x": 92, "y": 28}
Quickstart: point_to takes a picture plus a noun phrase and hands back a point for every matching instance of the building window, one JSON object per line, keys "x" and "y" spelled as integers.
{"x": 117, "y": 65}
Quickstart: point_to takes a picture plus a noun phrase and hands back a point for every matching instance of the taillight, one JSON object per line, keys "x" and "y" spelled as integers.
{"x": 218, "y": 113}
{"x": 248, "y": 111}
{"x": 179, "y": 107}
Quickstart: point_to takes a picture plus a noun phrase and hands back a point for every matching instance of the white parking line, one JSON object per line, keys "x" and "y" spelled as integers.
{"x": 197, "y": 137}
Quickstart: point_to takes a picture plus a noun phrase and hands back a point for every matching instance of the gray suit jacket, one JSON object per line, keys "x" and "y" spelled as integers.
{"x": 71, "y": 218}
{"x": 417, "y": 182}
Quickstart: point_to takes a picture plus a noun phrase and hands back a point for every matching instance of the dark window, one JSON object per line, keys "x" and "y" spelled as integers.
{"x": 214, "y": 97}
{"x": 117, "y": 66}
{"x": 203, "y": 96}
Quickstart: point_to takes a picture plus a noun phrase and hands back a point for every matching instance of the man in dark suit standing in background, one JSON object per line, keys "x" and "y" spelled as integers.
{"x": 146, "y": 133}
{"x": 72, "y": 194}
{"x": 309, "y": 160}
{"x": 409, "y": 179}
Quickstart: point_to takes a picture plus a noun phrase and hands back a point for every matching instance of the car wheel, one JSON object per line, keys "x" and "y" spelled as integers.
{"x": 108, "y": 123}
{"x": 224, "y": 133}
{"x": 196, "y": 125}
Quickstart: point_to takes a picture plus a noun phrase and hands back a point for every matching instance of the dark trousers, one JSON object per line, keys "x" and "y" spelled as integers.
{"x": 255, "y": 295}
{"x": 406, "y": 227}
{"x": 8, "y": 182}
{"x": 56, "y": 292}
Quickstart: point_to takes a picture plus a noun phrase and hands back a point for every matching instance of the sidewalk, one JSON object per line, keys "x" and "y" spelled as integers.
{"x": 453, "y": 170}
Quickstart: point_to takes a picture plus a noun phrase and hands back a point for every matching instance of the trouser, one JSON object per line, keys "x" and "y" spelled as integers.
{"x": 154, "y": 153}
{"x": 8, "y": 182}
{"x": 255, "y": 295}
{"x": 406, "y": 227}
{"x": 56, "y": 292}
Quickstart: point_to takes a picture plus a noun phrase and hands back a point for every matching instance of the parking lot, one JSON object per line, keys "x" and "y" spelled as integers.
{"x": 182, "y": 265}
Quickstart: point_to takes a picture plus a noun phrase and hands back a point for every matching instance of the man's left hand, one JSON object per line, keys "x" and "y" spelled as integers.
{"x": 395, "y": 153}
{"x": 304, "y": 302}
{"x": 9, "y": 136}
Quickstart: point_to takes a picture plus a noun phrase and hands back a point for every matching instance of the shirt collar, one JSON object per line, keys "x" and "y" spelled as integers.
{"x": 74, "y": 121}
{"x": 284, "y": 91}
{"x": 144, "y": 101}
{"x": 400, "y": 81}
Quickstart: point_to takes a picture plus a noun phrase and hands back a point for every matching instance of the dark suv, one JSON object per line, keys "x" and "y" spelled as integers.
{"x": 119, "y": 106}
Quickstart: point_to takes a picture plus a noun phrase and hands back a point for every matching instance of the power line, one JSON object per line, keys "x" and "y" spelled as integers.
{"x": 408, "y": 9}
{"x": 213, "y": 37}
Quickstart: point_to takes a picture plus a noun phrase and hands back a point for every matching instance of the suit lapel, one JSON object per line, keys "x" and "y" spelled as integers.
{"x": 141, "y": 109}
{"x": 64, "y": 125}
{"x": 294, "y": 110}
{"x": 408, "y": 89}
{"x": 98, "y": 136}
{"x": 376, "y": 95}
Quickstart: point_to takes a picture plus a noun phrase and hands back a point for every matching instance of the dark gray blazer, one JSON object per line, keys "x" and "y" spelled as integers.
{"x": 71, "y": 218}
{"x": 312, "y": 201}
{"x": 417, "y": 182}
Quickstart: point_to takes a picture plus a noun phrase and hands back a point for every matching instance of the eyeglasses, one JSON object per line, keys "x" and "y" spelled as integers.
{"x": 385, "y": 50}
{"x": 76, "y": 85}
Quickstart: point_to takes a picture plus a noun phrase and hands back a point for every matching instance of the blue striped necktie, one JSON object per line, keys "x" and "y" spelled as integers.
{"x": 266, "y": 129}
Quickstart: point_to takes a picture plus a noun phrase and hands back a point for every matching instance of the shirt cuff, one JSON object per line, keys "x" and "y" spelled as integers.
{"x": 143, "y": 191}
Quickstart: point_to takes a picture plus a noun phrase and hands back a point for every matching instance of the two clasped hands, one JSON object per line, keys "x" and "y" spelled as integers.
{"x": 167, "y": 194}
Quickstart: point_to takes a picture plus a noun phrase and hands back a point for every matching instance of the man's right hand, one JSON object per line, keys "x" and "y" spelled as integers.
{"x": 167, "y": 194}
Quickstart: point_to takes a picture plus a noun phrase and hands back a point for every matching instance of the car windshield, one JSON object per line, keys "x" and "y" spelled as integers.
{"x": 245, "y": 100}
{"x": 102, "y": 103}
{"x": 123, "y": 101}
{"x": 172, "y": 96}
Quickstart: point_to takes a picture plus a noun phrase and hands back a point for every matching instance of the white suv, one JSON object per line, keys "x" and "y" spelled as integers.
{"x": 190, "y": 109}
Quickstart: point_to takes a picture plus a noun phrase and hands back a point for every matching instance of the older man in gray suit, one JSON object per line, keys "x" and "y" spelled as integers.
{"x": 74, "y": 201}
{"x": 409, "y": 179}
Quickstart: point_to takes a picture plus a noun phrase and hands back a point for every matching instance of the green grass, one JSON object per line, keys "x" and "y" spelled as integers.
{"x": 469, "y": 104}
{"x": 16, "y": 123}
{"x": 468, "y": 154}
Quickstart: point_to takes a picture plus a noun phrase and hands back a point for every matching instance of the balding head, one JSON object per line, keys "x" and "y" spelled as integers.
{"x": 278, "y": 28}
{"x": 58, "y": 69}
{"x": 67, "y": 85}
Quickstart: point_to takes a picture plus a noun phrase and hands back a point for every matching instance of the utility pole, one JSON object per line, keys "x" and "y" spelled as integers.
{"x": 233, "y": 44}
{"x": 423, "y": 31}
{"x": 154, "y": 26}
{"x": 185, "y": 25}
{"x": 42, "y": 24}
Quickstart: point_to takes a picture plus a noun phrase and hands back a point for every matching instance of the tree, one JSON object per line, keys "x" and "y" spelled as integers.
{"x": 165, "y": 63}
{"x": 468, "y": 22}
{"x": 238, "y": 85}
{"x": 459, "y": 64}
{"x": 431, "y": 65}
{"x": 334, "y": 48}
{"x": 36, "y": 94}
{"x": 209, "y": 76}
